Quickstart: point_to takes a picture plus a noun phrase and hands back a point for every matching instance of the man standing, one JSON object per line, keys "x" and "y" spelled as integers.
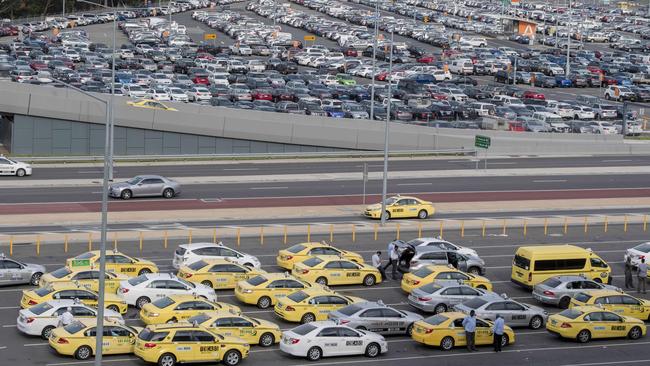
{"x": 376, "y": 262}
{"x": 66, "y": 318}
{"x": 629, "y": 282}
{"x": 497, "y": 329}
{"x": 392, "y": 259}
{"x": 469, "y": 324}
{"x": 642, "y": 275}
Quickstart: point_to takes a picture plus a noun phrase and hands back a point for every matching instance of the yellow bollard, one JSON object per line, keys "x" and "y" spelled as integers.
{"x": 308, "y": 233}
{"x": 545, "y": 226}
{"x": 165, "y": 241}
{"x": 354, "y": 233}
{"x": 625, "y": 224}
{"x": 261, "y": 235}
{"x": 65, "y": 243}
{"x": 419, "y": 230}
{"x": 585, "y": 224}
{"x": 376, "y": 228}
{"x": 11, "y": 245}
{"x": 331, "y": 233}
{"x": 141, "y": 241}
{"x": 38, "y": 245}
{"x": 214, "y": 235}
{"x": 462, "y": 228}
{"x": 525, "y": 227}
{"x": 606, "y": 224}
{"x": 442, "y": 227}
{"x": 483, "y": 229}
{"x": 566, "y": 225}
{"x": 645, "y": 222}
{"x": 90, "y": 241}
{"x": 115, "y": 241}
{"x": 397, "y": 233}
{"x": 504, "y": 228}
{"x": 285, "y": 234}
{"x": 238, "y": 236}
{"x": 190, "y": 236}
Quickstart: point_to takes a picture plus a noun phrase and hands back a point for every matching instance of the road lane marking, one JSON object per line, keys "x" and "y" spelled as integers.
{"x": 36, "y": 344}
{"x": 241, "y": 169}
{"x": 550, "y": 181}
{"x": 90, "y": 362}
{"x": 502, "y": 163}
{"x": 259, "y": 188}
{"x": 616, "y": 160}
{"x": 3, "y": 347}
{"x": 415, "y": 184}
{"x": 607, "y": 363}
{"x": 9, "y": 307}
{"x": 9, "y": 326}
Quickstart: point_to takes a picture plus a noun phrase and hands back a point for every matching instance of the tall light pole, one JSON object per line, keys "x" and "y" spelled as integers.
{"x": 386, "y": 129}
{"x": 568, "y": 45}
{"x": 374, "y": 62}
{"x": 104, "y": 226}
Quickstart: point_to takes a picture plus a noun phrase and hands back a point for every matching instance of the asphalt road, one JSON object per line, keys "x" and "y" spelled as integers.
{"x": 307, "y": 166}
{"x": 531, "y": 348}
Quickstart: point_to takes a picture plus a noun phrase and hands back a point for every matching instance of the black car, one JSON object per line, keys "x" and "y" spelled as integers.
{"x": 502, "y": 76}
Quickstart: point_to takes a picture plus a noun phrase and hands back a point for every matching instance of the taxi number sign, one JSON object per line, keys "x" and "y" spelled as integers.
{"x": 80, "y": 262}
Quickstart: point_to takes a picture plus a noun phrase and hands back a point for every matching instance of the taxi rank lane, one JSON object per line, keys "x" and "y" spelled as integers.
{"x": 533, "y": 348}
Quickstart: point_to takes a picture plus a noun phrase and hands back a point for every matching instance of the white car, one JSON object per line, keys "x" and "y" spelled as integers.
{"x": 636, "y": 253}
{"x": 158, "y": 94}
{"x": 146, "y": 288}
{"x": 41, "y": 319}
{"x": 583, "y": 112}
{"x": 199, "y": 93}
{"x": 189, "y": 253}
{"x": 12, "y": 167}
{"x": 602, "y": 127}
{"x": 177, "y": 95}
{"x": 327, "y": 338}
{"x": 442, "y": 244}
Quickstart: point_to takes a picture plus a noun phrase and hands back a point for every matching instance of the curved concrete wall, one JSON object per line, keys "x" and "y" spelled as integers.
{"x": 67, "y": 104}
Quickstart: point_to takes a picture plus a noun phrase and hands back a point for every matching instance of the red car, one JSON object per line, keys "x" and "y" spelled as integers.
{"x": 351, "y": 52}
{"x": 426, "y": 59}
{"x": 595, "y": 69}
{"x": 260, "y": 94}
{"x": 516, "y": 127}
{"x": 381, "y": 76}
{"x": 529, "y": 94}
{"x": 200, "y": 79}
{"x": 38, "y": 65}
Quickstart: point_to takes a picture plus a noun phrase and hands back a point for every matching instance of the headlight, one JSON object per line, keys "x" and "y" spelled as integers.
{"x": 247, "y": 291}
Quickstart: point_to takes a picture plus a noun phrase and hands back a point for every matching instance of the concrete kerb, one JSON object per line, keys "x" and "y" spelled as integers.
{"x": 232, "y": 235}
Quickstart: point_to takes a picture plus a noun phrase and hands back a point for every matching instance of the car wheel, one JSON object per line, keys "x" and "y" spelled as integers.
{"x": 447, "y": 343}
{"x": 172, "y": 321}
{"x": 167, "y": 360}
{"x": 83, "y": 353}
{"x": 168, "y": 193}
{"x": 482, "y": 287}
{"x": 607, "y": 97}
{"x": 564, "y": 303}
{"x": 206, "y": 283}
{"x": 231, "y": 357}
{"x": 142, "y": 301}
{"x": 474, "y": 270}
{"x": 144, "y": 271}
{"x": 249, "y": 265}
{"x": 20, "y": 172}
{"x": 386, "y": 215}
{"x": 598, "y": 280}
{"x": 536, "y": 322}
{"x": 314, "y": 354}
{"x": 635, "y": 333}
{"x": 373, "y": 350}
{"x": 267, "y": 340}
{"x": 440, "y": 308}
{"x": 409, "y": 330}
{"x": 47, "y": 331}
{"x": 369, "y": 280}
{"x": 126, "y": 194}
{"x": 423, "y": 214}
{"x": 321, "y": 281}
{"x": 361, "y": 328}
{"x": 583, "y": 336}
{"x": 308, "y": 318}
{"x": 36, "y": 277}
{"x": 504, "y": 340}
{"x": 264, "y": 302}
{"x": 113, "y": 308}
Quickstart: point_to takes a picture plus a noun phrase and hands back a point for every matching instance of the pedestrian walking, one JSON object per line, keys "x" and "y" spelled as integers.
{"x": 642, "y": 276}
{"x": 393, "y": 256}
{"x": 469, "y": 324}
{"x": 376, "y": 262}
{"x": 629, "y": 281}
{"x": 66, "y": 318}
{"x": 497, "y": 329}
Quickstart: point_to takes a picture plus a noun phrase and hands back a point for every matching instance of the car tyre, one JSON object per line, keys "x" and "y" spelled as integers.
{"x": 168, "y": 193}
{"x": 635, "y": 333}
{"x": 20, "y": 172}
{"x": 474, "y": 270}
{"x": 142, "y": 301}
{"x": 321, "y": 281}
{"x": 369, "y": 280}
{"x": 583, "y": 336}
{"x": 172, "y": 321}
{"x": 482, "y": 287}
{"x": 564, "y": 302}
{"x": 447, "y": 343}
{"x": 387, "y": 215}
{"x": 83, "y": 353}
{"x": 536, "y": 322}
{"x": 409, "y": 330}
{"x": 308, "y": 318}
{"x": 47, "y": 331}
{"x": 440, "y": 308}
{"x": 423, "y": 214}
{"x": 231, "y": 358}
{"x": 314, "y": 354}
{"x": 373, "y": 350}
{"x": 207, "y": 283}
{"x": 167, "y": 359}
{"x": 267, "y": 340}
{"x": 598, "y": 280}
{"x": 505, "y": 340}
{"x": 144, "y": 271}
{"x": 36, "y": 277}
{"x": 126, "y": 194}
{"x": 264, "y": 302}
{"x": 113, "y": 308}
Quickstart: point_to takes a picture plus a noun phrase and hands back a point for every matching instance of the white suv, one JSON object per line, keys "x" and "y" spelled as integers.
{"x": 149, "y": 287}
{"x": 190, "y": 253}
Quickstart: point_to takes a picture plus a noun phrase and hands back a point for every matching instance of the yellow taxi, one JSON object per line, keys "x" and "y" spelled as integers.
{"x": 445, "y": 330}
{"x": 78, "y": 339}
{"x": 336, "y": 271}
{"x": 115, "y": 262}
{"x": 88, "y": 278}
{"x": 297, "y": 253}
{"x": 151, "y": 104}
{"x": 230, "y": 323}
{"x": 175, "y": 308}
{"x": 612, "y": 300}
{"x": 313, "y": 304}
{"x": 401, "y": 207}
{"x": 264, "y": 290}
{"x": 220, "y": 274}
{"x": 170, "y": 344}
{"x": 71, "y": 291}
{"x": 583, "y": 323}
{"x": 442, "y": 274}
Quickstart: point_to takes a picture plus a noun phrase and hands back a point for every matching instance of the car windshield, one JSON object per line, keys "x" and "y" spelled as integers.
{"x": 645, "y": 247}
{"x": 436, "y": 319}
{"x": 552, "y": 282}
{"x": 61, "y": 272}
{"x": 571, "y": 313}
{"x": 163, "y": 302}
{"x": 43, "y": 291}
{"x": 422, "y": 272}
{"x": 40, "y": 308}
{"x": 430, "y": 288}
{"x": 474, "y": 303}
{"x": 298, "y": 296}
{"x": 198, "y": 319}
{"x": 257, "y": 280}
{"x": 311, "y": 262}
{"x": 197, "y": 265}
{"x": 303, "y": 329}
{"x": 74, "y": 327}
{"x": 137, "y": 280}
{"x": 350, "y": 310}
{"x": 86, "y": 255}
{"x": 134, "y": 180}
{"x": 296, "y": 248}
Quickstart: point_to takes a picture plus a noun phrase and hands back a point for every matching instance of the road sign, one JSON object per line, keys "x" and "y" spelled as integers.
{"x": 80, "y": 262}
{"x": 209, "y": 36}
{"x": 309, "y": 38}
{"x": 482, "y": 141}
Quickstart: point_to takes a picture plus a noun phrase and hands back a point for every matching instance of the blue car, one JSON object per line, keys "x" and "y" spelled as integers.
{"x": 335, "y": 112}
{"x": 622, "y": 80}
{"x": 563, "y": 82}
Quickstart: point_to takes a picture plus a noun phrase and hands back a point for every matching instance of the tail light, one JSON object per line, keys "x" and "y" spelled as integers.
{"x": 428, "y": 331}
{"x": 294, "y": 340}
{"x": 565, "y": 325}
{"x": 187, "y": 275}
{"x": 304, "y": 271}
{"x": 29, "y": 320}
{"x": 125, "y": 290}
{"x": 62, "y": 341}
{"x": 343, "y": 322}
{"x": 549, "y": 293}
{"x": 149, "y": 345}
{"x": 424, "y": 299}
{"x": 414, "y": 262}
{"x": 32, "y": 302}
{"x": 416, "y": 282}
{"x": 288, "y": 257}
{"x": 290, "y": 308}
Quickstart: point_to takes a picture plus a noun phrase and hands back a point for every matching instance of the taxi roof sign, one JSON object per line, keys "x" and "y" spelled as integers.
{"x": 309, "y": 38}
{"x": 209, "y": 36}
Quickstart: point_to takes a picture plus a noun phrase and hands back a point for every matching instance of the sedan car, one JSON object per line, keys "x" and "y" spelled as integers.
{"x": 141, "y": 290}
{"x": 145, "y": 186}
{"x": 401, "y": 206}
{"x": 375, "y": 316}
{"x": 584, "y": 323}
{"x": 559, "y": 290}
{"x": 438, "y": 298}
{"x": 513, "y": 312}
{"x": 636, "y": 253}
{"x": 13, "y": 167}
{"x": 189, "y": 253}
{"x": 13, "y": 272}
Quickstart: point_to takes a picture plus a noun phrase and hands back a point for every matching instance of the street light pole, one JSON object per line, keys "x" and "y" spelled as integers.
{"x": 568, "y": 45}
{"x": 386, "y": 129}
{"x": 374, "y": 55}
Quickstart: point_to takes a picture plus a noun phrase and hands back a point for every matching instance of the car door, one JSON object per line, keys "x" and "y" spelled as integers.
{"x": 372, "y": 320}
{"x": 5, "y": 167}
{"x": 221, "y": 277}
{"x": 632, "y": 307}
{"x": 595, "y": 324}
{"x": 85, "y": 296}
{"x": 329, "y": 341}
{"x": 614, "y": 324}
{"x": 245, "y": 329}
{"x": 516, "y": 314}
{"x": 351, "y": 341}
{"x": 323, "y": 305}
{"x": 453, "y": 295}
{"x": 156, "y": 290}
{"x": 435, "y": 258}
{"x": 13, "y": 272}
{"x": 468, "y": 292}
{"x": 398, "y": 209}
{"x": 175, "y": 287}
{"x": 149, "y": 187}
{"x": 225, "y": 326}
{"x": 393, "y": 321}
{"x": 122, "y": 339}
{"x": 121, "y": 264}
{"x": 483, "y": 332}
{"x": 351, "y": 272}
{"x": 335, "y": 274}
{"x": 86, "y": 279}
{"x": 185, "y": 349}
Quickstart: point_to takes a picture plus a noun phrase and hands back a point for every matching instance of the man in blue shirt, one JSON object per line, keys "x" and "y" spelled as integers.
{"x": 497, "y": 329}
{"x": 469, "y": 324}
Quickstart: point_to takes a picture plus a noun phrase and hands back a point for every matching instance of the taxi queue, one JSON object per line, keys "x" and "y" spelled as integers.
{"x": 211, "y": 330}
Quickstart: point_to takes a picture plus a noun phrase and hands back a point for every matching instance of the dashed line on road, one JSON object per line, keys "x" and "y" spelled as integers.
{"x": 607, "y": 363}
{"x": 90, "y": 362}
{"x": 36, "y": 344}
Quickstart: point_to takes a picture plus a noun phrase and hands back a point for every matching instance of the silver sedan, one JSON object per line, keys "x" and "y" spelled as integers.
{"x": 559, "y": 290}
{"x": 376, "y": 317}
{"x": 514, "y": 313}
{"x": 438, "y": 298}
{"x": 13, "y": 272}
{"x": 145, "y": 186}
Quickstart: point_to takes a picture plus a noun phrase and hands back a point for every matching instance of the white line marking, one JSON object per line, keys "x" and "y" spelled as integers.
{"x": 9, "y": 326}
{"x": 616, "y": 160}
{"x": 607, "y": 363}
{"x": 35, "y": 344}
{"x": 88, "y": 172}
{"x": 89, "y": 362}
{"x": 3, "y": 347}
{"x": 415, "y": 184}
{"x": 9, "y": 307}
{"x": 550, "y": 181}
{"x": 502, "y": 163}
{"x": 254, "y": 188}
{"x": 241, "y": 169}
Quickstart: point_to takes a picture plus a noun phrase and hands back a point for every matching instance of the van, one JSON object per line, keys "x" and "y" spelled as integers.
{"x": 461, "y": 66}
{"x": 534, "y": 264}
